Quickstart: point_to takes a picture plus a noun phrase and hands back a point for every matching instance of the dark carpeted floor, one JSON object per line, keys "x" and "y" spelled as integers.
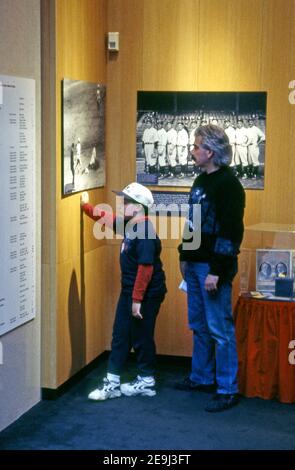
{"x": 170, "y": 420}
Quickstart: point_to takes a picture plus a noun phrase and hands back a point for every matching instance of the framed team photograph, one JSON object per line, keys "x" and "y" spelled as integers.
{"x": 165, "y": 134}
{"x": 83, "y": 120}
{"x": 273, "y": 264}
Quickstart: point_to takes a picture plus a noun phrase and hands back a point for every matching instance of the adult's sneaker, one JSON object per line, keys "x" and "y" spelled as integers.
{"x": 140, "y": 386}
{"x": 107, "y": 390}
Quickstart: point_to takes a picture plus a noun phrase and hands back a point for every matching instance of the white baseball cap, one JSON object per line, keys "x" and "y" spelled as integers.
{"x": 138, "y": 193}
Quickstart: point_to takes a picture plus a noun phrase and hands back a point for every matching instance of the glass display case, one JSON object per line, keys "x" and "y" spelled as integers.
{"x": 267, "y": 253}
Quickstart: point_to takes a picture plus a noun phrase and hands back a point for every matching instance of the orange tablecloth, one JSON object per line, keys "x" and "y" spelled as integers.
{"x": 264, "y": 330}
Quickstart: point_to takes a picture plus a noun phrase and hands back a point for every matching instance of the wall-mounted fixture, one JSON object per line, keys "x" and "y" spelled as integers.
{"x": 113, "y": 41}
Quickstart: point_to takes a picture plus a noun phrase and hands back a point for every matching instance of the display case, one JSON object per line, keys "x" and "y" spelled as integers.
{"x": 267, "y": 253}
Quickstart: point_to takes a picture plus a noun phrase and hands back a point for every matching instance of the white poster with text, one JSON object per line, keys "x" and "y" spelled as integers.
{"x": 17, "y": 189}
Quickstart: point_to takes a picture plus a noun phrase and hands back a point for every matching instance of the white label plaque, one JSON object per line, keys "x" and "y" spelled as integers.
{"x": 17, "y": 194}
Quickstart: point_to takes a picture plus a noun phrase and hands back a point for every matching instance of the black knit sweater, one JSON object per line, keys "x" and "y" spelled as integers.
{"x": 222, "y": 200}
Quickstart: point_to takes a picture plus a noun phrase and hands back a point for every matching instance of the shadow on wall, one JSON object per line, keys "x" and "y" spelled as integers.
{"x": 76, "y": 315}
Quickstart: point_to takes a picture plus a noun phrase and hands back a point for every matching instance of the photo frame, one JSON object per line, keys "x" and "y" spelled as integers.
{"x": 83, "y": 135}
{"x": 273, "y": 264}
{"x": 167, "y": 121}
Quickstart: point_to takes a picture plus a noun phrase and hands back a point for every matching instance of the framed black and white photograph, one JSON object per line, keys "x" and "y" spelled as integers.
{"x": 83, "y": 135}
{"x": 166, "y": 125}
{"x": 272, "y": 264}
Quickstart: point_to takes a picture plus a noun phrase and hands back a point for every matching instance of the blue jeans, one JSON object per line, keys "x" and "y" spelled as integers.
{"x": 211, "y": 320}
{"x": 131, "y": 332}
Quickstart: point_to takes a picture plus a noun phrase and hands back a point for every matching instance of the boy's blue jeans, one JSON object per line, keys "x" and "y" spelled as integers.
{"x": 210, "y": 319}
{"x": 130, "y": 332}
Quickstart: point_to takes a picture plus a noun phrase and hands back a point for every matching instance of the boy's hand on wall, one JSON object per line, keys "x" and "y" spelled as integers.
{"x": 84, "y": 198}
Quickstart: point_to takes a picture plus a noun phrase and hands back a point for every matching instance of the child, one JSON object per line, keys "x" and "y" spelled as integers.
{"x": 142, "y": 292}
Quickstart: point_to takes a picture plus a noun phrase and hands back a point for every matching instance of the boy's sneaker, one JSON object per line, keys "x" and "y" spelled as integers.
{"x": 139, "y": 386}
{"x": 108, "y": 390}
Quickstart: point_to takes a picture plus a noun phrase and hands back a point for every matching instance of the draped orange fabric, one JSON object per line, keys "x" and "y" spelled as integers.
{"x": 264, "y": 330}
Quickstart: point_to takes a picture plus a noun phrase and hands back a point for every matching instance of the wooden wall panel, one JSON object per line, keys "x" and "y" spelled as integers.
{"x": 278, "y": 69}
{"x": 81, "y": 28}
{"x": 80, "y": 55}
{"x": 230, "y": 58}
{"x": 80, "y": 49}
{"x": 241, "y": 45}
{"x": 74, "y": 48}
{"x": 81, "y": 308}
{"x": 113, "y": 280}
{"x": 173, "y": 336}
{"x": 230, "y": 42}
{"x": 170, "y": 45}
{"x": 123, "y": 78}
